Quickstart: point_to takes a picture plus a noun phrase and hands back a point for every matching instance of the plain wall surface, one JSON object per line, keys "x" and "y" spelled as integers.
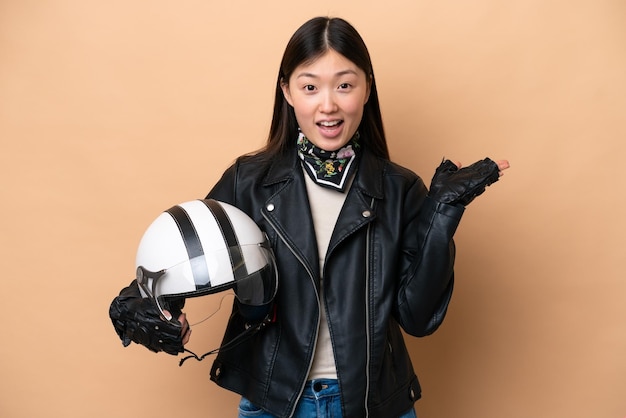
{"x": 113, "y": 111}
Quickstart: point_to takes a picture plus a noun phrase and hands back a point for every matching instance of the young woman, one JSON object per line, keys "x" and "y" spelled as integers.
{"x": 362, "y": 248}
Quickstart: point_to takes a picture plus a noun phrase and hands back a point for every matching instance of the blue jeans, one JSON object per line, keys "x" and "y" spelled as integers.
{"x": 320, "y": 399}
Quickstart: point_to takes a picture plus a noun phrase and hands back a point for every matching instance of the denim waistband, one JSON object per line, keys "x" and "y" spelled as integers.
{"x": 319, "y": 388}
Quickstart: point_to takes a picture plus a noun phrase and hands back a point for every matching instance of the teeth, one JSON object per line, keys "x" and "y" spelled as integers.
{"x": 333, "y": 123}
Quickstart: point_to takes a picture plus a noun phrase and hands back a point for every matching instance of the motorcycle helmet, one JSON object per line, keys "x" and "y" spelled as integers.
{"x": 202, "y": 247}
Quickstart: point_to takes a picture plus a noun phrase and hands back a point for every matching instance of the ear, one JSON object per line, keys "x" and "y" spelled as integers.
{"x": 286, "y": 93}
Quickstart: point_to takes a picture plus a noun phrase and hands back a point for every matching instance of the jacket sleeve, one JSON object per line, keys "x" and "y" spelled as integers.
{"x": 225, "y": 189}
{"x": 427, "y": 263}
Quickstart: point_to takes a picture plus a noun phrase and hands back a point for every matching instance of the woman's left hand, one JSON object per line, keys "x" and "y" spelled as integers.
{"x": 457, "y": 185}
{"x": 502, "y": 165}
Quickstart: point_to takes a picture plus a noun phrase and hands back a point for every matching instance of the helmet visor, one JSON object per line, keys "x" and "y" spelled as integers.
{"x": 257, "y": 286}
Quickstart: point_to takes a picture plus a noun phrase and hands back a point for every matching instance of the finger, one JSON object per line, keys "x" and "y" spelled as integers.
{"x": 185, "y": 332}
{"x": 503, "y": 165}
{"x": 187, "y": 336}
{"x": 182, "y": 319}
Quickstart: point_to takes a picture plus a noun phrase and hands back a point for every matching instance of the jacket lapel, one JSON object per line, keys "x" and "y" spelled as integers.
{"x": 359, "y": 208}
{"x": 289, "y": 213}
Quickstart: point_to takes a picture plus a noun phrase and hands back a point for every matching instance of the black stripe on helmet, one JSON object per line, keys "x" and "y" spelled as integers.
{"x": 192, "y": 244}
{"x": 235, "y": 253}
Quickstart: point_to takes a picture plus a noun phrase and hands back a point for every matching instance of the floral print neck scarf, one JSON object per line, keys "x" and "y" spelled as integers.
{"x": 330, "y": 169}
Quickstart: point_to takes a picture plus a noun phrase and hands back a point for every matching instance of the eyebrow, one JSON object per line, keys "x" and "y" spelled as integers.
{"x": 339, "y": 74}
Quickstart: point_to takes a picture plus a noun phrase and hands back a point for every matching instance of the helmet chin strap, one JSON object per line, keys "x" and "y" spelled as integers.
{"x": 249, "y": 332}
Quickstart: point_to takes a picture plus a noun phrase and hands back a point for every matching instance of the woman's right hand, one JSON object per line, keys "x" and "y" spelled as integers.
{"x": 185, "y": 331}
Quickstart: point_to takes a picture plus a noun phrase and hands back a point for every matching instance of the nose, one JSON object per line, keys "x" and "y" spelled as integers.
{"x": 327, "y": 103}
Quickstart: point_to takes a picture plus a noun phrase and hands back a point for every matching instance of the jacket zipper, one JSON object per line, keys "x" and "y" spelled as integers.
{"x": 368, "y": 335}
{"x": 282, "y": 238}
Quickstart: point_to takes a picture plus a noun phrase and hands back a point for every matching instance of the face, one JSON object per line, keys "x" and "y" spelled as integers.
{"x": 328, "y": 96}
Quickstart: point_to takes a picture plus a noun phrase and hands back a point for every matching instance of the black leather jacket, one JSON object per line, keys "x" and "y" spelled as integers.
{"x": 389, "y": 266}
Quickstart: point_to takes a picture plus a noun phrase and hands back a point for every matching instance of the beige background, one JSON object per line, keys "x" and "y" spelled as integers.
{"x": 112, "y": 111}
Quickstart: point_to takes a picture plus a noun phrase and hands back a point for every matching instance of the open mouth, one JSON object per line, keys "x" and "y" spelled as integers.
{"x": 330, "y": 124}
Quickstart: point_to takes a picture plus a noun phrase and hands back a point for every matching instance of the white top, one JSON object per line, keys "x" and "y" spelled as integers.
{"x": 325, "y": 207}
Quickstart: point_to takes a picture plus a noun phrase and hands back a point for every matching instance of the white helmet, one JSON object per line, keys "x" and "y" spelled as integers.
{"x": 202, "y": 247}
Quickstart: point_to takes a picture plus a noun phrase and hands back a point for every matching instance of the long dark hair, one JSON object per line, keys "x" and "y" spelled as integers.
{"x": 310, "y": 41}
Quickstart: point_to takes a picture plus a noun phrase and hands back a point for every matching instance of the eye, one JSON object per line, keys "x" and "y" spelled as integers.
{"x": 309, "y": 87}
{"x": 344, "y": 86}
